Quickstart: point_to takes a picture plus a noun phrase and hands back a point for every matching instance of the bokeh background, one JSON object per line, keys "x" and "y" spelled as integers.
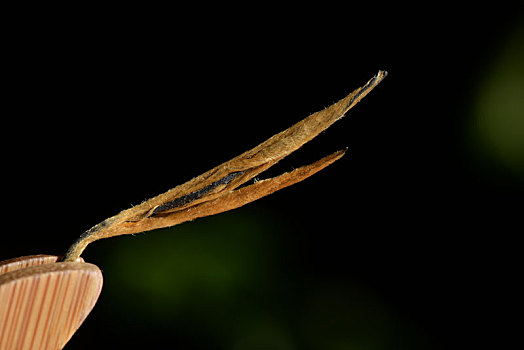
{"x": 408, "y": 242}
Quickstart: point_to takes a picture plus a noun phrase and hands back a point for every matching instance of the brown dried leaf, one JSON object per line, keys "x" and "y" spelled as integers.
{"x": 216, "y": 191}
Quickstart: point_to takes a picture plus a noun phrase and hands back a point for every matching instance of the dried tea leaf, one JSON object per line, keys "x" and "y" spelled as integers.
{"x": 217, "y": 190}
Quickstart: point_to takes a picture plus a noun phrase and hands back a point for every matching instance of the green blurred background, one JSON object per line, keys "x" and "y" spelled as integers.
{"x": 409, "y": 242}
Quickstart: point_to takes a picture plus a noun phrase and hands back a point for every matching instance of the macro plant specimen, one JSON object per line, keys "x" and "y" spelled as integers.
{"x": 216, "y": 190}
{"x": 40, "y": 309}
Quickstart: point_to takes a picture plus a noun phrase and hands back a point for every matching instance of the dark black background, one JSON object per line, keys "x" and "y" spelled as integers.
{"x": 107, "y": 107}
